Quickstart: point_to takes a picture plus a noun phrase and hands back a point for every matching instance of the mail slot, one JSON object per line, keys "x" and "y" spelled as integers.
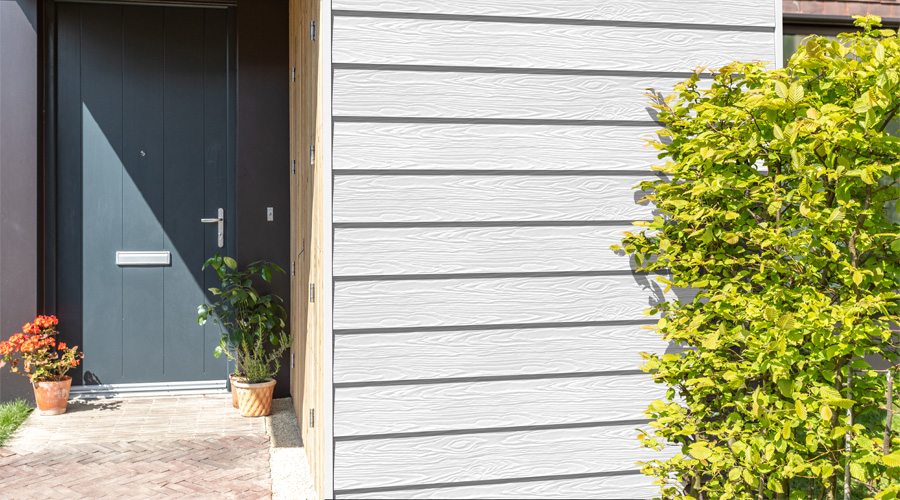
{"x": 125, "y": 259}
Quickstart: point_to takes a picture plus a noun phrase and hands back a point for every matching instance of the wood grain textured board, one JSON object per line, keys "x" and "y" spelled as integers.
{"x": 631, "y": 485}
{"x": 418, "y": 250}
{"x": 461, "y": 198}
{"x": 733, "y": 12}
{"x": 380, "y": 410}
{"x": 296, "y": 317}
{"x": 512, "y": 352}
{"x": 307, "y": 215}
{"x": 491, "y": 456}
{"x": 484, "y": 147}
{"x": 507, "y": 96}
{"x": 317, "y": 88}
{"x": 434, "y": 42}
{"x": 491, "y": 301}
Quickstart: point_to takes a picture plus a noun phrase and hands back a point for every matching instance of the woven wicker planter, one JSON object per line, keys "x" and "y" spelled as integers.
{"x": 255, "y": 400}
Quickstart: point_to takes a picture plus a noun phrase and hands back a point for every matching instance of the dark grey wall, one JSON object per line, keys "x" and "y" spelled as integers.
{"x": 18, "y": 177}
{"x": 263, "y": 143}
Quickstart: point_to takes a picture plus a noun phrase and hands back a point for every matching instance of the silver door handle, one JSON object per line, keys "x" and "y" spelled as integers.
{"x": 220, "y": 220}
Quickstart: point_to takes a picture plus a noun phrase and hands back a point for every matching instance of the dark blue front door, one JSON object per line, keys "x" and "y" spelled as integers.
{"x": 144, "y": 151}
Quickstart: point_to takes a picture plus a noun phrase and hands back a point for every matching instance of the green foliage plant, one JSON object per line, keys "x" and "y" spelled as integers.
{"x": 12, "y": 414}
{"x": 252, "y": 323}
{"x": 778, "y": 205}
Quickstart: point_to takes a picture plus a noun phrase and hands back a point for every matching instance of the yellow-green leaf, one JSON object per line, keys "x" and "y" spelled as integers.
{"x": 786, "y": 321}
{"x": 781, "y": 90}
{"x": 826, "y": 412}
{"x": 770, "y": 313}
{"x": 857, "y": 277}
{"x": 856, "y": 470}
{"x": 748, "y": 478}
{"x": 841, "y": 402}
{"x": 879, "y": 53}
{"x": 731, "y": 238}
{"x": 699, "y": 451}
{"x": 837, "y": 214}
{"x": 892, "y": 460}
{"x": 795, "y": 93}
{"x": 711, "y": 341}
{"x": 800, "y": 408}
{"x": 827, "y": 392}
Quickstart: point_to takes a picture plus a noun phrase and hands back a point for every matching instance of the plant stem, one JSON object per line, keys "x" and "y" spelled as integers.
{"x": 848, "y": 446}
{"x": 889, "y": 404}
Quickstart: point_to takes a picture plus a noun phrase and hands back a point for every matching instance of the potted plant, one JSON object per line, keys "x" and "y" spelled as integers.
{"x": 253, "y": 333}
{"x": 44, "y": 361}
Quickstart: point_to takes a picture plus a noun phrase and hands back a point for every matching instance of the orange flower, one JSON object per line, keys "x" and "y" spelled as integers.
{"x": 62, "y": 346}
{"x": 46, "y": 322}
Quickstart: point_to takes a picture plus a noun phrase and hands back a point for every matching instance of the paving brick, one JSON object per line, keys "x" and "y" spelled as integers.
{"x": 160, "y": 448}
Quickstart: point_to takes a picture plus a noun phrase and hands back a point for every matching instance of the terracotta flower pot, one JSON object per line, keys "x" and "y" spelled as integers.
{"x": 234, "y": 399}
{"x": 255, "y": 400}
{"x": 52, "y": 397}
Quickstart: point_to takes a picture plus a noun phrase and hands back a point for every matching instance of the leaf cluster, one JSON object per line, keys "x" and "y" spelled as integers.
{"x": 250, "y": 320}
{"x": 778, "y": 205}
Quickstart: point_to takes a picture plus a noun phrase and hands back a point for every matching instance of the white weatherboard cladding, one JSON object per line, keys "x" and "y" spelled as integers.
{"x": 479, "y": 457}
{"x": 490, "y": 147}
{"x": 486, "y": 339}
{"x": 529, "y": 45}
{"x": 495, "y": 300}
{"x": 697, "y": 12}
{"x": 492, "y": 404}
{"x": 560, "y": 487}
{"x": 506, "y": 249}
{"x": 513, "y": 198}
{"x": 496, "y": 353}
{"x": 424, "y": 94}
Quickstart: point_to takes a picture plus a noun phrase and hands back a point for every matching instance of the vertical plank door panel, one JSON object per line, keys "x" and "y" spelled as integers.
{"x": 101, "y": 97}
{"x": 143, "y": 196}
{"x": 70, "y": 210}
{"x": 184, "y": 147}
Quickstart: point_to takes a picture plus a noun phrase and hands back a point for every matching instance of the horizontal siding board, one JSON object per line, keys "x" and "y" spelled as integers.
{"x": 503, "y": 455}
{"x": 487, "y": 198}
{"x": 733, "y": 12}
{"x": 459, "y": 95}
{"x": 619, "y": 487}
{"x": 546, "y": 46}
{"x": 492, "y": 353}
{"x": 452, "y": 302}
{"x": 410, "y": 251}
{"x": 361, "y": 411}
{"x": 479, "y": 147}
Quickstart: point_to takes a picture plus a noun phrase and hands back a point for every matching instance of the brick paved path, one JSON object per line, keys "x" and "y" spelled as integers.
{"x": 187, "y": 447}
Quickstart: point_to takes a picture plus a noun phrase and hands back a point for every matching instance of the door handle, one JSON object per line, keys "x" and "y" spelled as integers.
{"x": 220, "y": 220}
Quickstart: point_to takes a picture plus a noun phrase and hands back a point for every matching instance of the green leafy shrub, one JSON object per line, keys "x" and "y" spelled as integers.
{"x": 252, "y": 323}
{"x": 779, "y": 206}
